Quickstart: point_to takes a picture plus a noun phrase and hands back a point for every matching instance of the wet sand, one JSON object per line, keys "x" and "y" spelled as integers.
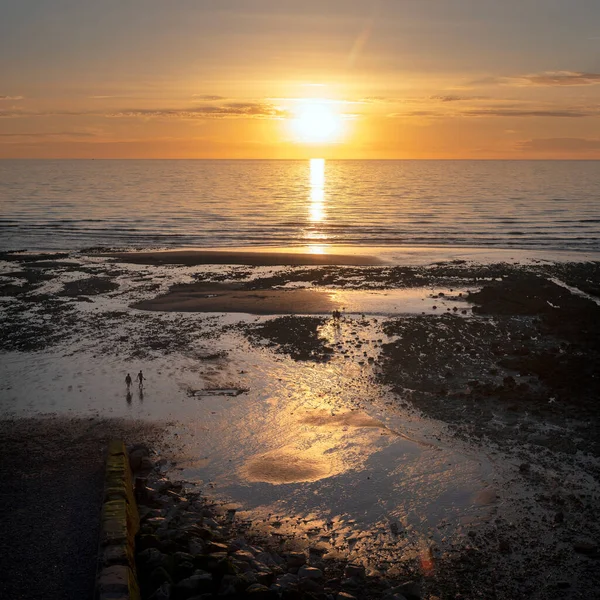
{"x": 223, "y": 299}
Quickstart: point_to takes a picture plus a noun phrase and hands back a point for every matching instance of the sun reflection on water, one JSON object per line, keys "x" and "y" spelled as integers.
{"x": 317, "y": 190}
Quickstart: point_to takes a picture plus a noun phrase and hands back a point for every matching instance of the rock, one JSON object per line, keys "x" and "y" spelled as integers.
{"x": 199, "y": 583}
{"x": 260, "y": 592}
{"x": 295, "y": 559}
{"x": 559, "y": 517}
{"x": 243, "y": 555}
{"x": 215, "y": 547}
{"x": 411, "y": 590}
{"x": 309, "y": 585}
{"x": 265, "y": 577}
{"x": 524, "y": 467}
{"x": 162, "y": 593}
{"x": 196, "y": 546}
{"x": 310, "y": 572}
{"x": 136, "y": 455}
{"x": 585, "y": 548}
{"x": 183, "y": 570}
{"x": 158, "y": 577}
{"x": 150, "y": 559}
{"x": 345, "y": 596}
{"x": 227, "y": 587}
{"x": 182, "y": 557}
{"x": 287, "y": 581}
{"x": 350, "y": 582}
{"x": 319, "y": 549}
{"x": 504, "y": 547}
{"x": 354, "y": 571}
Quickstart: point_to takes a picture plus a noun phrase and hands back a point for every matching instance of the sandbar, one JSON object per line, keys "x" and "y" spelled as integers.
{"x": 222, "y": 298}
{"x": 190, "y": 258}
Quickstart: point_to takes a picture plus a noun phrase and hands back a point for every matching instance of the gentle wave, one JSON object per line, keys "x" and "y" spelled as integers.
{"x": 77, "y": 204}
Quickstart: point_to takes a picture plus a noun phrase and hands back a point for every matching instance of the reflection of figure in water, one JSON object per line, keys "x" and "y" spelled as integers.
{"x": 128, "y": 396}
{"x": 140, "y": 378}
{"x": 128, "y": 380}
{"x": 141, "y": 394}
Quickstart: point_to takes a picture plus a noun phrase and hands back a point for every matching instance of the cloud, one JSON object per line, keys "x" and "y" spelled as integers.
{"x": 561, "y": 145}
{"x": 500, "y": 112}
{"x": 252, "y": 110}
{"x": 510, "y": 112}
{"x": 543, "y": 79}
{"x": 456, "y": 98}
{"x": 209, "y": 98}
{"x": 561, "y": 78}
{"x": 248, "y": 110}
{"x": 10, "y": 97}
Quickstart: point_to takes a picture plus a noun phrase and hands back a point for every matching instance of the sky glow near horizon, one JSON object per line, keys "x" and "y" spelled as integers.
{"x": 227, "y": 79}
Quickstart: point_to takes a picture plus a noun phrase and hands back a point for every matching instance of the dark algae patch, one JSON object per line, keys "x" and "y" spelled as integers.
{"x": 534, "y": 350}
{"x": 298, "y": 337}
{"x": 89, "y": 287}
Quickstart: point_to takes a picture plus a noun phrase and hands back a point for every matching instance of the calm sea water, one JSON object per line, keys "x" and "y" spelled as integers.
{"x": 78, "y": 204}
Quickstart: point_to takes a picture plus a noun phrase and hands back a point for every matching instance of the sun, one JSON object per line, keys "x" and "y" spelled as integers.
{"x": 317, "y": 122}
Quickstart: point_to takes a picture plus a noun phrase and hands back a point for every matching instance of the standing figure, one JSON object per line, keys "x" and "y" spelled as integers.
{"x": 128, "y": 380}
{"x": 140, "y": 378}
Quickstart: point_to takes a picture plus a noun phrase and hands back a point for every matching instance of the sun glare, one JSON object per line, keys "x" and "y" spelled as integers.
{"x": 317, "y": 122}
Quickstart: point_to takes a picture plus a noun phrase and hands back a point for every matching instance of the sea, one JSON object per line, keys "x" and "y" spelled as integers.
{"x": 79, "y": 204}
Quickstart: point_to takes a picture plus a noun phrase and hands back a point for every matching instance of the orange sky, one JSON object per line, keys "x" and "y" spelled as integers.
{"x": 200, "y": 79}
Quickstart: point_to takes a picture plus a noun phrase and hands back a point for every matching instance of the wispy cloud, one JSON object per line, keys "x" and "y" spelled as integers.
{"x": 44, "y": 136}
{"x": 508, "y": 112}
{"x": 560, "y": 78}
{"x": 248, "y": 110}
{"x": 2, "y": 98}
{"x": 560, "y": 145}
{"x": 209, "y": 98}
{"x": 543, "y": 79}
{"x": 254, "y": 110}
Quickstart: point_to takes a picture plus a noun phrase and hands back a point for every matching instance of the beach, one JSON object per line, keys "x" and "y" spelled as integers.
{"x": 453, "y": 400}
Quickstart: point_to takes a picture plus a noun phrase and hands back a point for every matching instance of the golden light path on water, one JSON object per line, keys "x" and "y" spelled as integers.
{"x": 316, "y": 209}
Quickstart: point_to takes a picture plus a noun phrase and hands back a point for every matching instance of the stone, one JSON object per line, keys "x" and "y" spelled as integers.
{"x": 310, "y": 572}
{"x": 159, "y": 576}
{"x": 352, "y": 570}
{"x": 585, "y": 547}
{"x": 411, "y": 590}
{"x": 162, "y": 593}
{"x": 150, "y": 559}
{"x": 345, "y": 596}
{"x": 215, "y": 547}
{"x": 199, "y": 583}
{"x": 295, "y": 559}
{"x": 183, "y": 570}
{"x": 196, "y": 546}
{"x": 260, "y": 592}
{"x": 287, "y": 581}
{"x": 309, "y": 585}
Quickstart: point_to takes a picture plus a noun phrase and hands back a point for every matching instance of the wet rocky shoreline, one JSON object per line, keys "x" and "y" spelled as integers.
{"x": 514, "y": 380}
{"x": 190, "y": 548}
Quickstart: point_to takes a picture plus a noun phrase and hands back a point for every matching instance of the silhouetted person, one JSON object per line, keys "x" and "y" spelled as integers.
{"x": 140, "y": 378}
{"x": 128, "y": 380}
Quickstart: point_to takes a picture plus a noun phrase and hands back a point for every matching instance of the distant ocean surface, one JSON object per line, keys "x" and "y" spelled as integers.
{"x": 72, "y": 204}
